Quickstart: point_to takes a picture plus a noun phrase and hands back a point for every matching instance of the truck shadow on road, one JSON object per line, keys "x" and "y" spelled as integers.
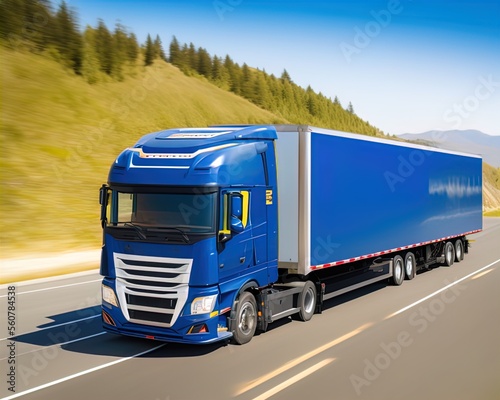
{"x": 354, "y": 294}
{"x": 331, "y": 303}
{"x": 80, "y": 331}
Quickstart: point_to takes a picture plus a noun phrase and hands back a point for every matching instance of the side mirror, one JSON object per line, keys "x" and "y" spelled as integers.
{"x": 236, "y": 214}
{"x": 103, "y": 201}
{"x": 103, "y": 195}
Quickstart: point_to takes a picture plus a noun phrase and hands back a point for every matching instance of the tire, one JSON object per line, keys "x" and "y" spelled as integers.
{"x": 410, "y": 266}
{"x": 307, "y": 301}
{"x": 398, "y": 270}
{"x": 246, "y": 318}
{"x": 459, "y": 251}
{"x": 449, "y": 254}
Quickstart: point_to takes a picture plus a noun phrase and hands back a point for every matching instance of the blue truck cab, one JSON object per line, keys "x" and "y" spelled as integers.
{"x": 190, "y": 222}
{"x": 213, "y": 233}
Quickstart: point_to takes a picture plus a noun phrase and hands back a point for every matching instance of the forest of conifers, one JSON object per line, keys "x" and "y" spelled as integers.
{"x": 96, "y": 52}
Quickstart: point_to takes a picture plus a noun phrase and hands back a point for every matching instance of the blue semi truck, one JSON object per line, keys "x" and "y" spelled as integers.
{"x": 213, "y": 233}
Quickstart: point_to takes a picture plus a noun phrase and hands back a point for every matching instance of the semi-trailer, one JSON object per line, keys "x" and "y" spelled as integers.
{"x": 210, "y": 234}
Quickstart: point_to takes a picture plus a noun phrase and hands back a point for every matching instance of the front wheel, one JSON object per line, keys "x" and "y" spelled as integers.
{"x": 246, "y": 318}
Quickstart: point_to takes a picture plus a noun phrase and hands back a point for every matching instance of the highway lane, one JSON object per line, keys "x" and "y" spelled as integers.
{"x": 67, "y": 297}
{"x": 443, "y": 347}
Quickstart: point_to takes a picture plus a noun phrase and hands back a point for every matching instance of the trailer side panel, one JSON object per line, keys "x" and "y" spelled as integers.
{"x": 369, "y": 196}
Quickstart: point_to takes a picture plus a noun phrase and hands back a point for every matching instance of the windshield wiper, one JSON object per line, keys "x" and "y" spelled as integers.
{"x": 173, "y": 228}
{"x": 138, "y": 229}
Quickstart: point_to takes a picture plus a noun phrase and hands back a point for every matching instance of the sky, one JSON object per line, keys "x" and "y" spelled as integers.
{"x": 407, "y": 66}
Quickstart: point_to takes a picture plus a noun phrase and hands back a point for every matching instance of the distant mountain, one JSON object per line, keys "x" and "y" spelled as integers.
{"x": 467, "y": 141}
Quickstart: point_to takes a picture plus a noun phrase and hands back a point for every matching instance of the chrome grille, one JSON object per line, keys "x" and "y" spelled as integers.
{"x": 152, "y": 290}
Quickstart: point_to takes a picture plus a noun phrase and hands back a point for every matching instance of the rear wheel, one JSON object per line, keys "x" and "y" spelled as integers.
{"x": 459, "y": 251}
{"x": 307, "y": 301}
{"x": 449, "y": 254}
{"x": 246, "y": 318}
{"x": 410, "y": 266}
{"x": 398, "y": 271}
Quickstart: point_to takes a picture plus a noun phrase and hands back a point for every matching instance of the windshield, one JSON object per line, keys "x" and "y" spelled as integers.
{"x": 187, "y": 213}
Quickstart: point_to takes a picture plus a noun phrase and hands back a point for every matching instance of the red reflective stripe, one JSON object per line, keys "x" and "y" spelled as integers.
{"x": 340, "y": 262}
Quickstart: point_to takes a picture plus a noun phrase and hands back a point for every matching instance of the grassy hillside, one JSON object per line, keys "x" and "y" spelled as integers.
{"x": 60, "y": 135}
{"x": 491, "y": 190}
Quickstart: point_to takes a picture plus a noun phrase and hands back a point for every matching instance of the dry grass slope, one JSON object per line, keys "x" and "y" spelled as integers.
{"x": 60, "y": 135}
{"x": 491, "y": 190}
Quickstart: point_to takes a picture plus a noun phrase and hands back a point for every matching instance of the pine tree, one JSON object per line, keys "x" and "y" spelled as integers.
{"x": 132, "y": 47}
{"x": 312, "y": 101}
{"x": 204, "y": 66}
{"x": 350, "y": 108}
{"x": 185, "y": 67}
{"x": 285, "y": 76}
{"x": 158, "y": 47}
{"x": 246, "y": 83}
{"x": 67, "y": 38}
{"x": 174, "y": 53}
{"x": 149, "y": 53}
{"x": 120, "y": 46}
{"x": 219, "y": 74}
{"x": 234, "y": 72}
{"x": 192, "y": 58}
{"x": 90, "y": 62}
{"x": 104, "y": 47}
{"x": 262, "y": 93}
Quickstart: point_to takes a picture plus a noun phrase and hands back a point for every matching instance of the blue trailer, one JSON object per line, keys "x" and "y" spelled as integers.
{"x": 213, "y": 233}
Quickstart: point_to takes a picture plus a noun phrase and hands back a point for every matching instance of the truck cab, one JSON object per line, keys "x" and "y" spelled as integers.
{"x": 189, "y": 221}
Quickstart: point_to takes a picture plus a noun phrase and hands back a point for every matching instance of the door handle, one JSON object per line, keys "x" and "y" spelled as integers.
{"x": 242, "y": 260}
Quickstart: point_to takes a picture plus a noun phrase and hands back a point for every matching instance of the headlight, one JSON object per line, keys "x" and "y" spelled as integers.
{"x": 203, "y": 305}
{"x": 108, "y": 295}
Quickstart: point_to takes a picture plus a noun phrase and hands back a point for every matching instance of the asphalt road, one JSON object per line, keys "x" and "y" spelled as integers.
{"x": 435, "y": 337}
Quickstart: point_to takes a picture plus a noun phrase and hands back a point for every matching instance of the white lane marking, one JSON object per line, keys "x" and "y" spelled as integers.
{"x": 294, "y": 379}
{"x": 78, "y": 374}
{"x": 301, "y": 359}
{"x": 442, "y": 289}
{"x": 56, "y": 344}
{"x": 54, "y": 287}
{"x": 52, "y": 326}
